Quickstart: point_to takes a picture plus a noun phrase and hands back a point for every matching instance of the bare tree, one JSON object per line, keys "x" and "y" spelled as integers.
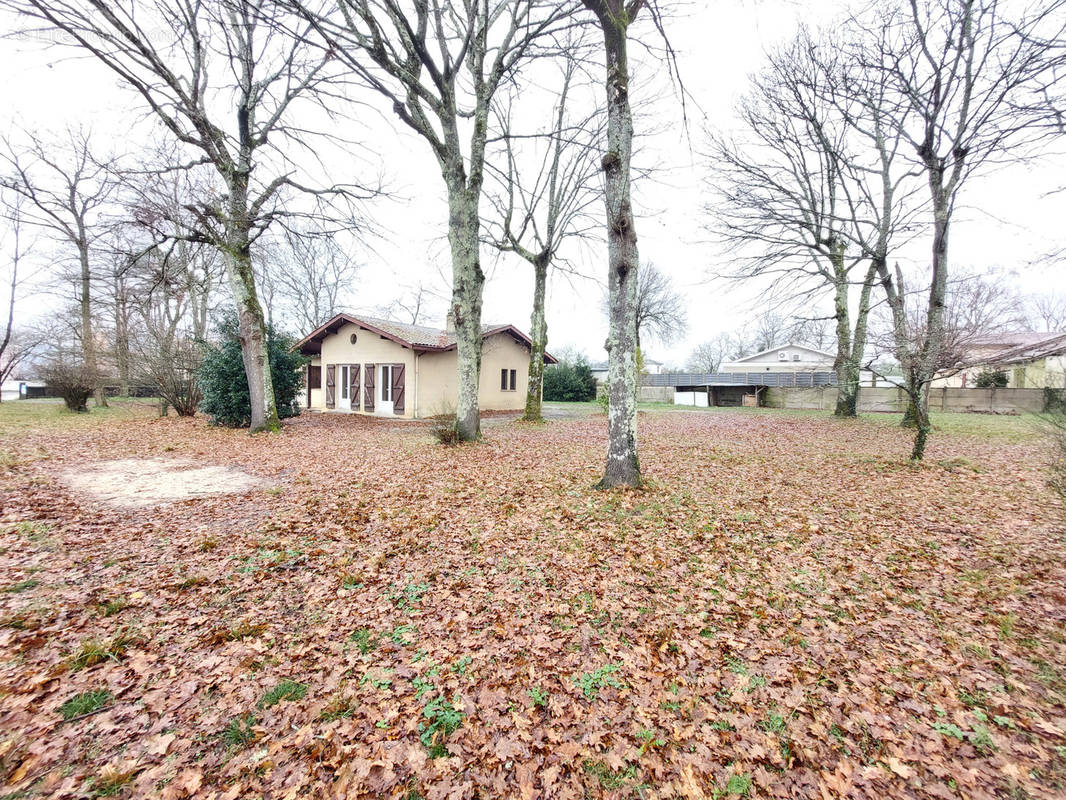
{"x": 794, "y": 198}
{"x": 623, "y": 466}
{"x": 439, "y": 66}
{"x": 660, "y": 307}
{"x": 708, "y": 356}
{"x": 68, "y": 189}
{"x": 414, "y": 303}
{"x": 1047, "y": 312}
{"x": 17, "y": 345}
{"x": 964, "y": 83}
{"x": 311, "y": 273}
{"x": 544, "y": 199}
{"x": 223, "y": 79}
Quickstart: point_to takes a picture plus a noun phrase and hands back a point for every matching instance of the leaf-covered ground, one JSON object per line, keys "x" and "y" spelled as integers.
{"x": 789, "y": 610}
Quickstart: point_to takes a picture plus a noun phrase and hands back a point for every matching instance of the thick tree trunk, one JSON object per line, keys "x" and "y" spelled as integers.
{"x": 927, "y": 361}
{"x": 847, "y": 373}
{"x": 251, "y": 330}
{"x": 251, "y": 322}
{"x": 538, "y": 332}
{"x": 468, "y": 281}
{"x": 849, "y": 369}
{"x": 623, "y": 467}
{"x": 88, "y": 341}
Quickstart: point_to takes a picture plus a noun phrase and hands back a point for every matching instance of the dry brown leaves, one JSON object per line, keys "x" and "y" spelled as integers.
{"x": 787, "y": 610}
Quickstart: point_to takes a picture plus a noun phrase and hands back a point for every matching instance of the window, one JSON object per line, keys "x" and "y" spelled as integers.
{"x": 512, "y": 380}
{"x": 507, "y": 380}
{"x": 386, "y": 383}
{"x": 345, "y": 380}
{"x": 503, "y": 380}
{"x": 782, "y": 356}
{"x": 795, "y": 356}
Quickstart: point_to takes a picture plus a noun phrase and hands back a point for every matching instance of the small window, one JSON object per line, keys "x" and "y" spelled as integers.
{"x": 795, "y": 356}
{"x": 513, "y": 375}
{"x": 353, "y": 338}
{"x": 782, "y": 356}
{"x": 503, "y": 380}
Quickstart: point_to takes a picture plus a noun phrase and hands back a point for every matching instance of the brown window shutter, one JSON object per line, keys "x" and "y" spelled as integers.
{"x": 398, "y": 380}
{"x": 368, "y": 387}
{"x": 356, "y": 387}
{"x": 331, "y": 385}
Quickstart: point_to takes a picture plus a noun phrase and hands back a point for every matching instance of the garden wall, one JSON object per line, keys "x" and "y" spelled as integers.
{"x": 995, "y": 401}
{"x": 655, "y": 394}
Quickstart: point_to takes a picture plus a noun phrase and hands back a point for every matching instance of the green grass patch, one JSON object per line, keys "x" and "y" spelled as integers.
{"x": 286, "y": 690}
{"x": 85, "y": 703}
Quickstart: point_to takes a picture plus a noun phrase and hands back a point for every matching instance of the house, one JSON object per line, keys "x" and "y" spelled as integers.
{"x": 1030, "y": 360}
{"x": 786, "y": 358}
{"x": 387, "y": 368}
{"x": 651, "y": 367}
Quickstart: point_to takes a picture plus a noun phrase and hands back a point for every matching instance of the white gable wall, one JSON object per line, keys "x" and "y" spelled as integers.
{"x": 796, "y": 359}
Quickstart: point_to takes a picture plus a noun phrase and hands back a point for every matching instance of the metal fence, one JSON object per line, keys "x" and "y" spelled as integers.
{"x": 783, "y": 380}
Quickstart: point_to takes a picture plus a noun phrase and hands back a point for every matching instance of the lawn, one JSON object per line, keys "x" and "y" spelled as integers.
{"x": 789, "y": 609}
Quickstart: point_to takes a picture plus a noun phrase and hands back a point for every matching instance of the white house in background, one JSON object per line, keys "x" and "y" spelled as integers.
{"x": 651, "y": 367}
{"x": 786, "y": 358}
{"x": 16, "y": 389}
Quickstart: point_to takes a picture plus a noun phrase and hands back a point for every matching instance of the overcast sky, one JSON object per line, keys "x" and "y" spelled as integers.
{"x": 1007, "y": 222}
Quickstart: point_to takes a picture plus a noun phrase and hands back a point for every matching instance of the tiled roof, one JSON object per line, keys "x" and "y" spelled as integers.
{"x": 418, "y": 337}
{"x": 1038, "y": 346}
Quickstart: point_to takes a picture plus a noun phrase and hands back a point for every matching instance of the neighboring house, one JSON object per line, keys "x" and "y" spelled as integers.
{"x": 651, "y": 367}
{"x": 386, "y": 368}
{"x": 786, "y": 358}
{"x": 20, "y": 389}
{"x": 1030, "y": 360}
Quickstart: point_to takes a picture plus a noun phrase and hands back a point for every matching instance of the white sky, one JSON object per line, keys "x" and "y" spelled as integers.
{"x": 1007, "y": 222}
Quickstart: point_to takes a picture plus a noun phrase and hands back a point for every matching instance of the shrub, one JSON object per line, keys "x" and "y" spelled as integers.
{"x": 991, "y": 379}
{"x": 75, "y": 383}
{"x": 173, "y": 373}
{"x": 569, "y": 382}
{"x": 443, "y": 424}
{"x": 225, "y": 386}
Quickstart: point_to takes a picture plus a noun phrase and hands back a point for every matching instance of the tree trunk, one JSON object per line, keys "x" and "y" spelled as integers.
{"x": 122, "y": 338}
{"x": 88, "y": 342}
{"x": 623, "y": 467}
{"x": 251, "y": 327}
{"x": 538, "y": 332}
{"x": 928, "y": 357}
{"x": 468, "y": 282}
{"x": 847, "y": 373}
{"x": 849, "y": 376}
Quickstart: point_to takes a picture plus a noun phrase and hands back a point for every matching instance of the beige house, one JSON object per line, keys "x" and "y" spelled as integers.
{"x": 1030, "y": 360}
{"x": 377, "y": 366}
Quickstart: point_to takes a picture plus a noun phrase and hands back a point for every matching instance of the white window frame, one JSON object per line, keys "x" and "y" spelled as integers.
{"x": 386, "y": 383}
{"x": 345, "y": 378}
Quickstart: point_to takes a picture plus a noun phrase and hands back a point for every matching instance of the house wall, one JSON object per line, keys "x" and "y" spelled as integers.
{"x": 1035, "y": 374}
{"x": 369, "y": 348}
{"x": 438, "y": 389}
{"x": 808, "y": 362}
{"x": 1001, "y": 401}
